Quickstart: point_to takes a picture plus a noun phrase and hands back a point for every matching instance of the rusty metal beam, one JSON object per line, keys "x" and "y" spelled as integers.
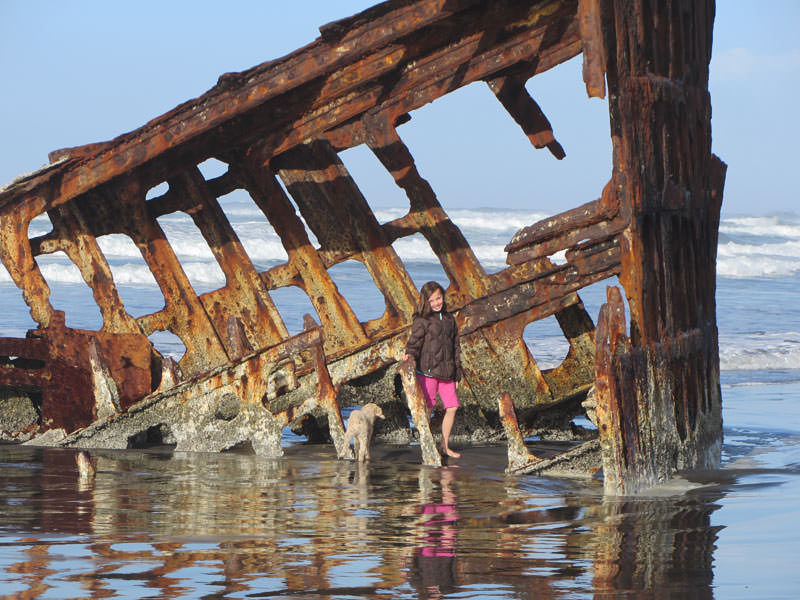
{"x": 337, "y": 213}
{"x": 337, "y": 318}
{"x": 511, "y": 92}
{"x": 594, "y": 59}
{"x": 246, "y": 306}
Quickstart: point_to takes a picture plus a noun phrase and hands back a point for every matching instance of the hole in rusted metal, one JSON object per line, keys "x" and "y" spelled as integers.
{"x": 559, "y": 258}
{"x": 374, "y": 181}
{"x": 255, "y": 232}
{"x": 156, "y": 191}
{"x": 168, "y": 344}
{"x": 546, "y": 342}
{"x": 68, "y": 290}
{"x": 420, "y": 261}
{"x": 352, "y": 279}
{"x": 212, "y": 167}
{"x": 292, "y": 303}
{"x": 191, "y": 249}
{"x": 21, "y": 362}
{"x": 131, "y": 274}
{"x": 40, "y": 225}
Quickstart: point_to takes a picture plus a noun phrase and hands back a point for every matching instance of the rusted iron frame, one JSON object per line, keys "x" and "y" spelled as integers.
{"x": 346, "y": 107}
{"x": 153, "y": 319}
{"x": 77, "y": 241}
{"x": 247, "y": 299}
{"x": 304, "y": 263}
{"x": 591, "y": 26}
{"x": 558, "y": 305}
{"x": 554, "y": 287}
{"x": 418, "y": 86}
{"x": 510, "y": 91}
{"x": 214, "y": 111}
{"x": 326, "y": 194}
{"x": 283, "y": 351}
{"x": 237, "y": 93}
{"x": 559, "y": 283}
{"x": 553, "y": 292}
{"x": 184, "y": 313}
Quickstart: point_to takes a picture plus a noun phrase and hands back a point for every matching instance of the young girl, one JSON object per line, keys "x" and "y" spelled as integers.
{"x": 433, "y": 345}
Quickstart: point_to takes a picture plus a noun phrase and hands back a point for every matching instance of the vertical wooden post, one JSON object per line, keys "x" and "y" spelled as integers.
{"x": 659, "y": 401}
{"x": 416, "y": 404}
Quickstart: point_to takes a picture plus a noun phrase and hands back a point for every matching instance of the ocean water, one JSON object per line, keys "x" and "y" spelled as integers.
{"x": 159, "y": 524}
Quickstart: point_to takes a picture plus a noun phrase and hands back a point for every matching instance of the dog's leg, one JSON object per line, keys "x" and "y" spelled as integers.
{"x": 367, "y": 440}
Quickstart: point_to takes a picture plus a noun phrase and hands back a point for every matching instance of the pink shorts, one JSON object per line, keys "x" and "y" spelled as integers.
{"x": 446, "y": 389}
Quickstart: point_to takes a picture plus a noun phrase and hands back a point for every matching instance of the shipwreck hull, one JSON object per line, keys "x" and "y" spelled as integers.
{"x": 278, "y": 128}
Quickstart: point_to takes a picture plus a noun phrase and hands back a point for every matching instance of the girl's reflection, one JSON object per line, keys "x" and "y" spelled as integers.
{"x": 434, "y": 559}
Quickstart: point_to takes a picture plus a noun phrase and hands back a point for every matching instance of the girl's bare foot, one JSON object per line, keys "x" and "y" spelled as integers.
{"x": 451, "y": 453}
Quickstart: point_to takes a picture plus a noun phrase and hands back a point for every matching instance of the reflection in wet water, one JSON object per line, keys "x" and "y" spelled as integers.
{"x": 171, "y": 525}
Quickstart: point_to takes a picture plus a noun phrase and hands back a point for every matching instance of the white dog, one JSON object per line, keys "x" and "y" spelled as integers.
{"x": 359, "y": 429}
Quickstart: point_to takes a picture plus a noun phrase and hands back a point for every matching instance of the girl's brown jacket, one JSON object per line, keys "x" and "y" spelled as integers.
{"x": 433, "y": 344}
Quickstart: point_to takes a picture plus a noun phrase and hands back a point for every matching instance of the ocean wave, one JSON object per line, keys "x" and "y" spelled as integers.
{"x": 417, "y": 249}
{"x": 753, "y": 352}
{"x": 494, "y": 219}
{"x": 768, "y": 227}
{"x": 750, "y": 247}
{"x": 758, "y": 260}
{"x": 760, "y": 352}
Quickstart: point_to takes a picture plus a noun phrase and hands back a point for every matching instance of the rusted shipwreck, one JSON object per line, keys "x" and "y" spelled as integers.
{"x": 243, "y": 378}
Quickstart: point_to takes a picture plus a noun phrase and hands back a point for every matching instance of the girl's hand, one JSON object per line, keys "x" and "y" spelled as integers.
{"x": 405, "y": 358}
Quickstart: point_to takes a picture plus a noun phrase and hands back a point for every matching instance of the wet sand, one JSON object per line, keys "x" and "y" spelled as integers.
{"x": 159, "y": 524}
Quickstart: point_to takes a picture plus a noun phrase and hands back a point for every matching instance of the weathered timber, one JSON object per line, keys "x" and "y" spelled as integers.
{"x": 419, "y": 414}
{"x": 658, "y": 401}
{"x": 582, "y": 460}
{"x": 279, "y": 127}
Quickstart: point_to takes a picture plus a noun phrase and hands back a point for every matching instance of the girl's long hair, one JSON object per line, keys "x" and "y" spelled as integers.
{"x": 425, "y": 292}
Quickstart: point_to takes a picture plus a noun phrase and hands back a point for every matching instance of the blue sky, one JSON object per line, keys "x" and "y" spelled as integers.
{"x": 87, "y": 71}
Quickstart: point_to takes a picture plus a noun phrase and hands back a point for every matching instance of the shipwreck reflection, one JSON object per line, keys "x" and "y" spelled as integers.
{"x": 434, "y": 565}
{"x": 187, "y": 525}
{"x": 655, "y": 544}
